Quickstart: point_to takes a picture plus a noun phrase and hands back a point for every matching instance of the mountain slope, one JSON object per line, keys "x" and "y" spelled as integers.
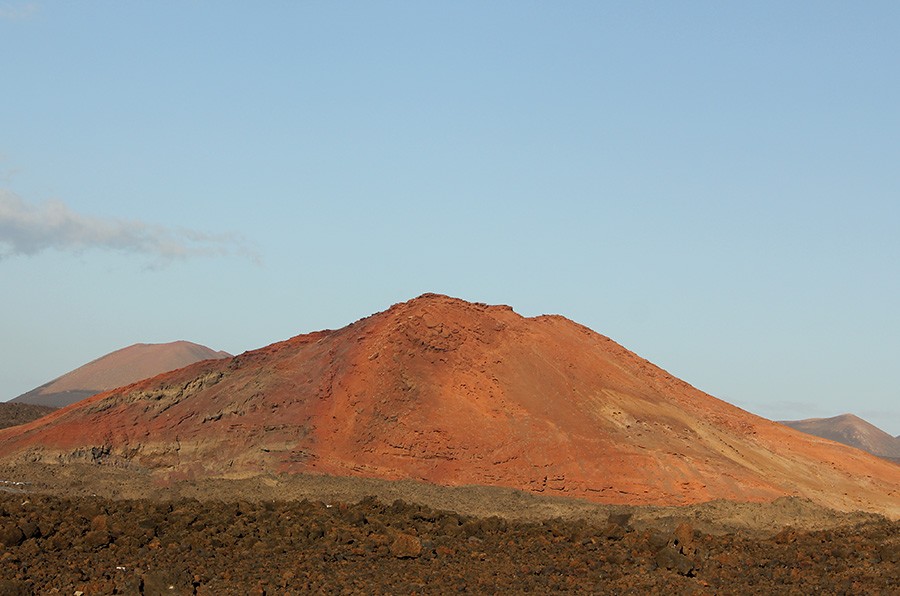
{"x": 136, "y": 362}
{"x": 15, "y": 414}
{"x": 850, "y": 430}
{"x": 452, "y": 392}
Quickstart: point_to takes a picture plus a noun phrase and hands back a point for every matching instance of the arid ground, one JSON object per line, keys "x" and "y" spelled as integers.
{"x": 315, "y": 534}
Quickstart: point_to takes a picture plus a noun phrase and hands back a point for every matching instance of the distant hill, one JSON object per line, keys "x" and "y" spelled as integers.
{"x": 851, "y": 430}
{"x": 122, "y": 367}
{"x": 16, "y": 414}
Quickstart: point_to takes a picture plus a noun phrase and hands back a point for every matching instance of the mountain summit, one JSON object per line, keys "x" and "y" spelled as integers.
{"x": 453, "y": 392}
{"x": 122, "y": 367}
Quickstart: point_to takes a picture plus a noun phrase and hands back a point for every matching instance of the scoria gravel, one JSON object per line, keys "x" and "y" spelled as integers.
{"x": 53, "y": 545}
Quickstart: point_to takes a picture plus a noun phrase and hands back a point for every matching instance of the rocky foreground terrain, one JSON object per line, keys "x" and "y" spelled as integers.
{"x": 234, "y": 540}
{"x": 55, "y": 545}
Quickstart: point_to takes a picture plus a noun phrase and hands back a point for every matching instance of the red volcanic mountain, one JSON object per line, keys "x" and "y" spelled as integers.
{"x": 118, "y": 368}
{"x": 446, "y": 391}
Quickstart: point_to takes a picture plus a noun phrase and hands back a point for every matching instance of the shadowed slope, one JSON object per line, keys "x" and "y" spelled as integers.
{"x": 451, "y": 392}
{"x": 15, "y": 414}
{"x": 136, "y": 362}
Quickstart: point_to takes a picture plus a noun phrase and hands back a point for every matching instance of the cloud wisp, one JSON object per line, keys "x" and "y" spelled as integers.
{"x": 27, "y": 229}
{"x": 18, "y": 11}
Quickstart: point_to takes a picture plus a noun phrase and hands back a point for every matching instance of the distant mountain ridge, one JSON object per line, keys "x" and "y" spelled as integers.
{"x": 121, "y": 367}
{"x": 853, "y": 431}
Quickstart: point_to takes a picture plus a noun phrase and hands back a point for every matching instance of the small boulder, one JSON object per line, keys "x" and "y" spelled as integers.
{"x": 11, "y": 535}
{"x": 684, "y": 533}
{"x": 614, "y": 531}
{"x": 30, "y": 529}
{"x": 620, "y": 519}
{"x": 669, "y": 558}
{"x": 889, "y": 553}
{"x": 100, "y": 523}
{"x": 406, "y": 546}
{"x": 684, "y": 539}
{"x": 96, "y": 539}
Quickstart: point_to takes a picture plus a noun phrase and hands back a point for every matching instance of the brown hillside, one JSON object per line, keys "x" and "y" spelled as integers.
{"x": 15, "y": 414}
{"x": 451, "y": 392}
{"x": 850, "y": 430}
{"x": 122, "y": 367}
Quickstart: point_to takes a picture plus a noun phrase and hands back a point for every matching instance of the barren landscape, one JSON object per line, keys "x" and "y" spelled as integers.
{"x": 488, "y": 298}
{"x": 438, "y": 446}
{"x": 303, "y": 534}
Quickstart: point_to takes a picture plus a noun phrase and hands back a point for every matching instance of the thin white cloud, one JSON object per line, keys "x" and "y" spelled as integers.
{"x": 18, "y": 11}
{"x": 27, "y": 229}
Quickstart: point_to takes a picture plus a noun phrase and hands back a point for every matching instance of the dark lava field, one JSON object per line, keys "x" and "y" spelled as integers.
{"x": 91, "y": 545}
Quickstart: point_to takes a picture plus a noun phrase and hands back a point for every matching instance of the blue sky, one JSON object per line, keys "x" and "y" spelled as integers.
{"x": 713, "y": 185}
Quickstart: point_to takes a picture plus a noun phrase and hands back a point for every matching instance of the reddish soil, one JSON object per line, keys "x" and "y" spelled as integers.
{"x": 450, "y": 392}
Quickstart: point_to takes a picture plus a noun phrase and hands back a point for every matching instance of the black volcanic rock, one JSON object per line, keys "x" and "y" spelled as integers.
{"x": 313, "y": 548}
